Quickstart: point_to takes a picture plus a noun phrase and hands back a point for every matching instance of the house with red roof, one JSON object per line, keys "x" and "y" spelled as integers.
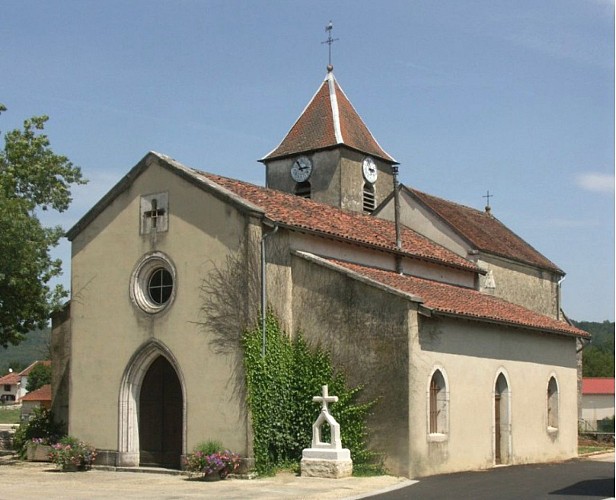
{"x": 14, "y": 385}
{"x": 597, "y": 401}
{"x": 9, "y": 384}
{"x": 39, "y": 398}
{"x": 448, "y": 318}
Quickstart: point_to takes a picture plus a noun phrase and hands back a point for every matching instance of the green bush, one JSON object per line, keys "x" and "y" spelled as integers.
{"x": 41, "y": 426}
{"x": 209, "y": 447}
{"x": 281, "y": 385}
{"x": 606, "y": 425}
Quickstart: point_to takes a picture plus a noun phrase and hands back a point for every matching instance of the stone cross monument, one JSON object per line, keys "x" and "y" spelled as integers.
{"x": 326, "y": 458}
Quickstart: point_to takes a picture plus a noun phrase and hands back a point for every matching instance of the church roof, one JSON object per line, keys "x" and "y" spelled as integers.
{"x": 311, "y": 216}
{"x": 329, "y": 120}
{"x": 464, "y": 302}
{"x": 484, "y": 231}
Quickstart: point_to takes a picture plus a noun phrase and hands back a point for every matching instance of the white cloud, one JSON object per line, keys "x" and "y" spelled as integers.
{"x": 592, "y": 181}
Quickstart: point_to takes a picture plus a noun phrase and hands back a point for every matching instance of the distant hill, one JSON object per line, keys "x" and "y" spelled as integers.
{"x": 598, "y": 358}
{"x": 34, "y": 347}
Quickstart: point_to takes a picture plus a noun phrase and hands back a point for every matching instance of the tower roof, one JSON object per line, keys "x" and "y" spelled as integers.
{"x": 329, "y": 120}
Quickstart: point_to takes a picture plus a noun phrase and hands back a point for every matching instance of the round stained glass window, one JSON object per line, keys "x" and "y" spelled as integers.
{"x": 153, "y": 283}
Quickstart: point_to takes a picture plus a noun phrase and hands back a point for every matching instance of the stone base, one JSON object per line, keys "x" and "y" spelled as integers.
{"x": 333, "y": 469}
{"x": 326, "y": 462}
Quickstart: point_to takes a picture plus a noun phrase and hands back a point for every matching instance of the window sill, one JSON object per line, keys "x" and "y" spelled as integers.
{"x": 552, "y": 430}
{"x": 437, "y": 438}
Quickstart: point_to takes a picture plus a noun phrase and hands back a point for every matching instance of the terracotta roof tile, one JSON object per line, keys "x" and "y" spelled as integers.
{"x": 598, "y": 385}
{"x": 9, "y": 379}
{"x": 311, "y": 216}
{"x": 465, "y": 302}
{"x": 27, "y": 370}
{"x": 329, "y": 120}
{"x": 484, "y": 231}
{"x": 43, "y": 393}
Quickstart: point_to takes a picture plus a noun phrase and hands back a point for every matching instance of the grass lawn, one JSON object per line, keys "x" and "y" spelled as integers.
{"x": 586, "y": 445}
{"x": 9, "y": 416}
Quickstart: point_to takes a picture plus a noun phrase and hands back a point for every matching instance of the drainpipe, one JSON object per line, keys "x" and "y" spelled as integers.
{"x": 394, "y": 171}
{"x": 263, "y": 288}
{"x": 558, "y": 297}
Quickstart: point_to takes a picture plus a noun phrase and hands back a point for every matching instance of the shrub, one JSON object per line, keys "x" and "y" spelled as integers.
{"x": 72, "y": 451}
{"x": 281, "y": 385}
{"x": 210, "y": 458}
{"x": 40, "y": 426}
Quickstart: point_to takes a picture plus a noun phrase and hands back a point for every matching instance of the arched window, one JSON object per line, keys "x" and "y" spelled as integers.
{"x": 303, "y": 189}
{"x": 552, "y": 402}
{"x": 437, "y": 404}
{"x": 369, "y": 198}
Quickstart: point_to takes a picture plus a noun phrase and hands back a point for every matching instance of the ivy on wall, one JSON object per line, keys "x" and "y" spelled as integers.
{"x": 281, "y": 385}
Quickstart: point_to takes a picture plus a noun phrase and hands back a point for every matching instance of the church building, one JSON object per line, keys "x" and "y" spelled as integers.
{"x": 449, "y": 318}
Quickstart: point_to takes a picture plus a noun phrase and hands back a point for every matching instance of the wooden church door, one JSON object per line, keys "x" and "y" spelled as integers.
{"x": 160, "y": 416}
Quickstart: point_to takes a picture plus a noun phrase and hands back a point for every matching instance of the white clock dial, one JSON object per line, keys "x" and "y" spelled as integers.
{"x": 301, "y": 169}
{"x": 369, "y": 169}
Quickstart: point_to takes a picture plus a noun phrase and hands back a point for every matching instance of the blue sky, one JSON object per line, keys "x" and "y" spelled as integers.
{"x": 512, "y": 97}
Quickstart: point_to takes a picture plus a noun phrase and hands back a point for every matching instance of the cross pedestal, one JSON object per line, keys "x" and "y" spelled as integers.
{"x": 326, "y": 459}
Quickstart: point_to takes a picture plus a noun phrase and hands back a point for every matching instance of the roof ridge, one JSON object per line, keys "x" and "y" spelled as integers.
{"x": 479, "y": 233}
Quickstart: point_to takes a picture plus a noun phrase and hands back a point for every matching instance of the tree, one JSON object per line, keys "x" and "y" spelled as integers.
{"x": 32, "y": 178}
{"x": 39, "y": 376}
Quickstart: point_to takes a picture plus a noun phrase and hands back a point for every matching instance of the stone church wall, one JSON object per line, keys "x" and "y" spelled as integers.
{"x": 60, "y": 368}
{"x": 365, "y": 330}
{"x": 533, "y": 288}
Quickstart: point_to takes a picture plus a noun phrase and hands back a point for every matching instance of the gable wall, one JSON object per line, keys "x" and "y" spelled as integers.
{"x": 108, "y": 329}
{"x": 525, "y": 285}
{"x": 531, "y": 287}
{"x": 471, "y": 355}
{"x": 417, "y": 217}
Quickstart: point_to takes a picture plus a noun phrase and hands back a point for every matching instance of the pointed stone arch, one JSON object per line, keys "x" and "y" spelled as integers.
{"x": 128, "y": 404}
{"x": 502, "y": 418}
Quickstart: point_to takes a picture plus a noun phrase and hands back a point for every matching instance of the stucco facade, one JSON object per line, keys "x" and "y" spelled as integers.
{"x": 114, "y": 341}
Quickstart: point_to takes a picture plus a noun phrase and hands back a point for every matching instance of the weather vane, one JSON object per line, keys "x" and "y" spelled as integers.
{"x": 329, "y": 42}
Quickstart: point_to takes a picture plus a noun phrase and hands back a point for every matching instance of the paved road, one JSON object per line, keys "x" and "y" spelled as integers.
{"x": 571, "y": 480}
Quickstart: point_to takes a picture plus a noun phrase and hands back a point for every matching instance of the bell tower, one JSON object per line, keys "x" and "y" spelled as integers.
{"x": 329, "y": 154}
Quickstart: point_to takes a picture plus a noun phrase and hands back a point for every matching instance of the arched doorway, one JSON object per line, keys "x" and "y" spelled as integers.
{"x": 502, "y": 420}
{"x": 160, "y": 416}
{"x": 152, "y": 408}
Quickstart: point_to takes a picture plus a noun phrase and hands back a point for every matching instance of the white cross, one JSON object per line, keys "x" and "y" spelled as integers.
{"x": 324, "y": 399}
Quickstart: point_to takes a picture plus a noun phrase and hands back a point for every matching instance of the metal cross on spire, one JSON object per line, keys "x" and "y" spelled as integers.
{"x": 488, "y": 196}
{"x": 329, "y": 42}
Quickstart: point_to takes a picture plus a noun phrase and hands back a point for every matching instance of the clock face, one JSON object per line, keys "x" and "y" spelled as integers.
{"x": 301, "y": 169}
{"x": 369, "y": 169}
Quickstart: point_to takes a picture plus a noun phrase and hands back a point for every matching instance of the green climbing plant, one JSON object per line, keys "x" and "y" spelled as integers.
{"x": 280, "y": 388}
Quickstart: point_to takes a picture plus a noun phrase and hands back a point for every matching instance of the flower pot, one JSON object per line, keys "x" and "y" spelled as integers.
{"x": 75, "y": 468}
{"x": 37, "y": 452}
{"x": 213, "y": 476}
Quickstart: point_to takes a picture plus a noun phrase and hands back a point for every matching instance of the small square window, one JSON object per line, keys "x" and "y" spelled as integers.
{"x": 154, "y": 212}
